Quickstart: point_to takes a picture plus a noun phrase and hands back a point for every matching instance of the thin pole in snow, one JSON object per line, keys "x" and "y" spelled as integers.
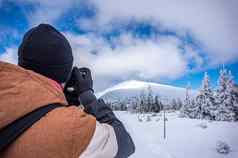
{"x": 164, "y": 126}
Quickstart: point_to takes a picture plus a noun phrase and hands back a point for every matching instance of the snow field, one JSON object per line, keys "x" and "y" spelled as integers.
{"x": 186, "y": 138}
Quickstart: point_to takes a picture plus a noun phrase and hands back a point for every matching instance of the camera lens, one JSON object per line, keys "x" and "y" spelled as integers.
{"x": 84, "y": 73}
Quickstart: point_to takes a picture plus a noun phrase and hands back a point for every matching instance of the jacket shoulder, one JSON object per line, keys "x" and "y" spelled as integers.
{"x": 80, "y": 128}
{"x": 63, "y": 133}
{"x": 83, "y": 128}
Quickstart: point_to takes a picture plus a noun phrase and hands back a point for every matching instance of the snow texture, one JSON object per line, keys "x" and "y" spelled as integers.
{"x": 222, "y": 147}
{"x": 184, "y": 139}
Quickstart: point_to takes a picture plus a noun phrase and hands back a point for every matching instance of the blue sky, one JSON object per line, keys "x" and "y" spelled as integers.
{"x": 165, "y": 42}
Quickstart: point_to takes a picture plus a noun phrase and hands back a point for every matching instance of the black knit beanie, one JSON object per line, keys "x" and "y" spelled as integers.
{"x": 46, "y": 51}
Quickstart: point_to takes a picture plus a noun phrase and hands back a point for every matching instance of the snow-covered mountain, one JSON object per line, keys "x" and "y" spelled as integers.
{"x": 133, "y": 88}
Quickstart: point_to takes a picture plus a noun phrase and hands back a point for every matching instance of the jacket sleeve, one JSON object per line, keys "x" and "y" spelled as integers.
{"x": 103, "y": 143}
{"x": 104, "y": 115}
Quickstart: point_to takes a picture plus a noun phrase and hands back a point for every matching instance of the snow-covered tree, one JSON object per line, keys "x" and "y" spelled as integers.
{"x": 147, "y": 102}
{"x": 176, "y": 104}
{"x": 179, "y": 104}
{"x": 226, "y": 98}
{"x": 150, "y": 99}
{"x": 193, "y": 109}
{"x": 232, "y": 95}
{"x": 157, "y": 107}
{"x": 205, "y": 102}
{"x": 173, "y": 104}
{"x": 185, "y": 110}
{"x": 142, "y": 100}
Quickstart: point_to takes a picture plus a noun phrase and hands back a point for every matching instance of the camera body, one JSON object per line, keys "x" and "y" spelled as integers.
{"x": 70, "y": 85}
{"x": 79, "y": 81}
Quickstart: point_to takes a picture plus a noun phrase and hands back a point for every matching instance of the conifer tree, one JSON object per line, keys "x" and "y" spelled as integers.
{"x": 185, "y": 110}
{"x": 205, "y": 101}
{"x": 226, "y": 97}
{"x": 150, "y": 99}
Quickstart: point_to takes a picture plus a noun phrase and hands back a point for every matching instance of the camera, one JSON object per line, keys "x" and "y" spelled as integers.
{"x": 69, "y": 86}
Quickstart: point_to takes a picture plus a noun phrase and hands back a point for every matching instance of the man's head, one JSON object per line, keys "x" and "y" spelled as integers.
{"x": 46, "y": 51}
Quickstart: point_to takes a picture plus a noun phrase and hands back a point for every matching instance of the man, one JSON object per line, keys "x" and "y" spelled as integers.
{"x": 45, "y": 64}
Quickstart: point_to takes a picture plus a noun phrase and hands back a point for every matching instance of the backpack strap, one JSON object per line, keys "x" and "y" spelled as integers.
{"x": 11, "y": 132}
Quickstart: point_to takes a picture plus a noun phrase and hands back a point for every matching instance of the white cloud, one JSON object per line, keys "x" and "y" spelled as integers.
{"x": 10, "y": 55}
{"x": 192, "y": 55}
{"x": 48, "y": 11}
{"x": 145, "y": 59}
{"x": 214, "y": 23}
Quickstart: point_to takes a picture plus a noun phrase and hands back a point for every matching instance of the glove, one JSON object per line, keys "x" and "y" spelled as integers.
{"x": 72, "y": 97}
{"x": 79, "y": 88}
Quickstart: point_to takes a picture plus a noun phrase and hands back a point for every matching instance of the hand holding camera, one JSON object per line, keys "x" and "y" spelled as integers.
{"x": 79, "y": 88}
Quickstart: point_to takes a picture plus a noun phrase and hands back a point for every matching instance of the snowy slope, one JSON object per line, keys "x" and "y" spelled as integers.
{"x": 185, "y": 137}
{"x": 134, "y": 88}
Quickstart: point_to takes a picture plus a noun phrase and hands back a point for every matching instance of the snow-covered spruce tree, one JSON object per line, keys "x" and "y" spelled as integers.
{"x": 138, "y": 107}
{"x": 122, "y": 105}
{"x": 174, "y": 104}
{"x": 235, "y": 90}
{"x": 135, "y": 104}
{"x": 150, "y": 99}
{"x": 193, "y": 109}
{"x": 226, "y": 98}
{"x": 232, "y": 96}
{"x": 157, "y": 104}
{"x": 186, "y": 108}
{"x": 179, "y": 104}
{"x": 142, "y": 101}
{"x": 205, "y": 102}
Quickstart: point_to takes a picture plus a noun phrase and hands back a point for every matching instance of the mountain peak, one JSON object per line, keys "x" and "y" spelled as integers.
{"x": 139, "y": 85}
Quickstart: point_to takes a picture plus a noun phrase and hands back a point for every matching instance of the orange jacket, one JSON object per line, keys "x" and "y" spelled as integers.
{"x": 63, "y": 133}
